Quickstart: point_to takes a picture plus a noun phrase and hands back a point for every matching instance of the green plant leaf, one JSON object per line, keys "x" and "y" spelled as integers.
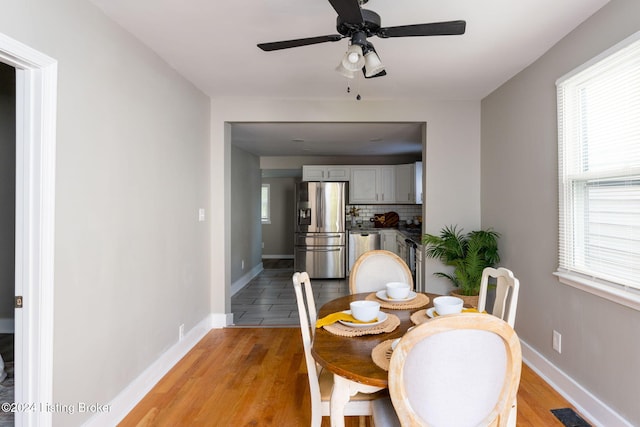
{"x": 469, "y": 254}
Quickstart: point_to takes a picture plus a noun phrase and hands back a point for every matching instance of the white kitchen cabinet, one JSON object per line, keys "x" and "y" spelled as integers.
{"x": 388, "y": 240}
{"x": 405, "y": 183}
{"x": 402, "y": 246}
{"x": 418, "y": 182}
{"x": 372, "y": 184}
{"x": 325, "y": 173}
{"x": 409, "y": 183}
{"x": 387, "y": 183}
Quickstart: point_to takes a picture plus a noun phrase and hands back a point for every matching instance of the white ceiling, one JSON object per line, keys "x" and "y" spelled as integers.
{"x": 328, "y": 139}
{"x": 213, "y": 44}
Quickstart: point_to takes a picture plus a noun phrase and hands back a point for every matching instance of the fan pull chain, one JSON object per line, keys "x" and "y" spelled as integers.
{"x": 358, "y": 97}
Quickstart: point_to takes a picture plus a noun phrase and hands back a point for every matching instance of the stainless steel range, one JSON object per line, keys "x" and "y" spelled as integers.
{"x": 320, "y": 239}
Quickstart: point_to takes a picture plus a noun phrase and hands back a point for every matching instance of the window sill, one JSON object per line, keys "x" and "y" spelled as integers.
{"x": 620, "y": 296}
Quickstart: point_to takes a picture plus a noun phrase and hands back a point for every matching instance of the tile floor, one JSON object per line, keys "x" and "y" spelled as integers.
{"x": 269, "y": 299}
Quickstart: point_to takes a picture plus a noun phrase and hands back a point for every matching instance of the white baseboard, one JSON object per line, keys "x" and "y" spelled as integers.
{"x": 128, "y": 398}
{"x": 244, "y": 280}
{"x": 592, "y": 408}
{"x": 7, "y": 326}
{"x": 221, "y": 320}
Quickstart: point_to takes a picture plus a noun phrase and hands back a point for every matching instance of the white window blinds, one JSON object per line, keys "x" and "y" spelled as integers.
{"x": 599, "y": 165}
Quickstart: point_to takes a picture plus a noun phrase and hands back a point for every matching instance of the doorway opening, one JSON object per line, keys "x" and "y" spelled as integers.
{"x": 264, "y": 154}
{"x": 7, "y": 236}
{"x": 35, "y": 118}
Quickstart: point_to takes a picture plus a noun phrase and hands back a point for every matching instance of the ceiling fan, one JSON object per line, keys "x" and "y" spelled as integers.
{"x": 357, "y": 24}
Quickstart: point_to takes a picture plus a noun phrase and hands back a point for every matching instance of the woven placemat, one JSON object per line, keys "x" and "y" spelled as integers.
{"x": 381, "y": 354}
{"x": 419, "y": 301}
{"x": 388, "y": 325}
{"x": 419, "y": 317}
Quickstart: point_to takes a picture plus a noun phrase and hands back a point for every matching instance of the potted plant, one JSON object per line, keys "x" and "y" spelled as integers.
{"x": 468, "y": 253}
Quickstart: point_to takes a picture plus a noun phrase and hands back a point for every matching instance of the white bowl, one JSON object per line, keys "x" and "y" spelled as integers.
{"x": 447, "y": 305}
{"x": 365, "y": 311}
{"x": 398, "y": 290}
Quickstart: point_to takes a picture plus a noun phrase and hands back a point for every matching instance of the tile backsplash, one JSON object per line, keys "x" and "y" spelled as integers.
{"x": 368, "y": 211}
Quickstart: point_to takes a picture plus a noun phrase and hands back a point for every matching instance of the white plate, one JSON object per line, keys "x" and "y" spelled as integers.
{"x": 382, "y": 316}
{"x": 431, "y": 312}
{"x": 383, "y": 296}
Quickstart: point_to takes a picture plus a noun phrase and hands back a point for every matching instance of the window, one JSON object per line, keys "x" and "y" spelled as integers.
{"x": 599, "y": 166}
{"x": 265, "y": 210}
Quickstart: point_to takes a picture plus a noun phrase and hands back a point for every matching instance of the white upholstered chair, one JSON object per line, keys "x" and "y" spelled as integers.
{"x": 507, "y": 287}
{"x": 374, "y": 269}
{"x": 453, "y": 371}
{"x": 320, "y": 380}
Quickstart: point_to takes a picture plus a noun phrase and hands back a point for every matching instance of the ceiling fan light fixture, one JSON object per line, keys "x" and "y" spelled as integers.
{"x": 350, "y": 74}
{"x": 372, "y": 64}
{"x": 354, "y": 59}
{"x": 359, "y": 24}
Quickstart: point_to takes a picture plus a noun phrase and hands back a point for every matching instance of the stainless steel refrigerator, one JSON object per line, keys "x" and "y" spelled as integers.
{"x": 320, "y": 238}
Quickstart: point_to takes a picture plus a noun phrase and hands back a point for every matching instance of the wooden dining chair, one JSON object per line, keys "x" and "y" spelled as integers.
{"x": 320, "y": 380}
{"x": 374, "y": 269}
{"x": 507, "y": 287}
{"x": 453, "y": 371}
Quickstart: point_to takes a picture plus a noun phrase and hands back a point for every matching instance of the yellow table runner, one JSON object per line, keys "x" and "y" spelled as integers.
{"x": 389, "y": 325}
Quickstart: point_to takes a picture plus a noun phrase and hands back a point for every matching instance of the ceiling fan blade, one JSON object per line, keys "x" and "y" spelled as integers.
{"x": 348, "y": 10}
{"x": 286, "y": 44}
{"x": 448, "y": 28}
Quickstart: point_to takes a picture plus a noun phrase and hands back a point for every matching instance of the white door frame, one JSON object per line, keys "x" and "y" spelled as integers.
{"x": 36, "y": 89}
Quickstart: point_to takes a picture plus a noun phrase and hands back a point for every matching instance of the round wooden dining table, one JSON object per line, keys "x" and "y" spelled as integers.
{"x": 349, "y": 358}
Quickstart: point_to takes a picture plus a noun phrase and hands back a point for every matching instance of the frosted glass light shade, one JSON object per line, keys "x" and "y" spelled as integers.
{"x": 350, "y": 74}
{"x": 354, "y": 59}
{"x": 372, "y": 64}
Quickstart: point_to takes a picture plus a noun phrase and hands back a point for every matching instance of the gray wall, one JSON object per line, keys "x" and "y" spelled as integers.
{"x": 600, "y": 345}
{"x": 132, "y": 168}
{"x": 7, "y": 193}
{"x": 245, "y": 204}
{"x": 278, "y": 235}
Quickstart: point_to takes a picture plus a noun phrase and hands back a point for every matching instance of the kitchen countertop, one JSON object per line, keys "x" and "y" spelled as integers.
{"x": 413, "y": 234}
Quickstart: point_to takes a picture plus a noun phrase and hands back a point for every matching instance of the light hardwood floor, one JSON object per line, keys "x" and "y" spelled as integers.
{"x": 257, "y": 377}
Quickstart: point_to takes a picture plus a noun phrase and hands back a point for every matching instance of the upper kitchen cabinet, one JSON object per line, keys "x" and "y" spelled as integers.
{"x": 325, "y": 173}
{"x": 418, "y": 182}
{"x": 405, "y": 183}
{"x": 409, "y": 183}
{"x": 372, "y": 184}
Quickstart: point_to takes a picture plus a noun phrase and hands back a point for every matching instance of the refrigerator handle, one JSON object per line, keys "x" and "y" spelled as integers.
{"x": 320, "y": 206}
{"x": 311, "y": 249}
